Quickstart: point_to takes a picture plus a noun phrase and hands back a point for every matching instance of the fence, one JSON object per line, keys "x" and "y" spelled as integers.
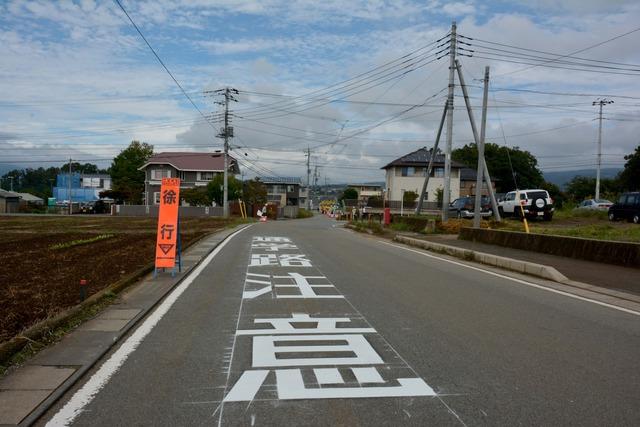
{"x": 396, "y": 205}
{"x": 152, "y": 211}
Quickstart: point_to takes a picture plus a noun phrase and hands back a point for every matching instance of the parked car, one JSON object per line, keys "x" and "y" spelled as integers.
{"x": 535, "y": 203}
{"x": 593, "y": 204}
{"x": 464, "y": 207}
{"x": 627, "y": 207}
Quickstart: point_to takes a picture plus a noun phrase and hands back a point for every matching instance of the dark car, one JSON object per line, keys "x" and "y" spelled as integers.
{"x": 464, "y": 207}
{"x": 627, "y": 207}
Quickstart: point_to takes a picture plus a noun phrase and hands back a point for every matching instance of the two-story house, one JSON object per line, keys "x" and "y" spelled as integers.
{"x": 285, "y": 191}
{"x": 193, "y": 169}
{"x": 407, "y": 173}
{"x": 366, "y": 190}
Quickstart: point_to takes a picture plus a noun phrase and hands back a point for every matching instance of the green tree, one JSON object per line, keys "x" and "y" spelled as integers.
{"x": 409, "y": 196}
{"x": 35, "y": 181}
{"x": 196, "y": 196}
{"x": 88, "y": 168}
{"x": 348, "y": 194}
{"x": 525, "y": 165}
{"x": 254, "y": 192}
{"x": 630, "y": 176}
{"x": 584, "y": 187}
{"x": 125, "y": 176}
{"x": 558, "y": 196}
{"x": 215, "y": 188}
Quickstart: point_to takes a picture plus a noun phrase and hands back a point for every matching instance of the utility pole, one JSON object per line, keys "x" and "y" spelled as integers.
{"x": 69, "y": 185}
{"x": 10, "y": 182}
{"x": 472, "y": 120}
{"x": 431, "y": 160}
{"x": 308, "y": 178}
{"x": 446, "y": 197}
{"x": 226, "y": 133}
{"x": 601, "y": 102}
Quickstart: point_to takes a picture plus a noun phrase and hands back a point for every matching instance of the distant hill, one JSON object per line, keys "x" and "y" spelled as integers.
{"x": 561, "y": 178}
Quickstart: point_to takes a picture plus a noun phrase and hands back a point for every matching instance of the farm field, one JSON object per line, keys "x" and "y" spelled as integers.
{"x": 44, "y": 258}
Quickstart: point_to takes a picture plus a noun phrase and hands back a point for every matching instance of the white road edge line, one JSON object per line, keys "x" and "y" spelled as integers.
{"x": 92, "y": 387}
{"x": 523, "y": 282}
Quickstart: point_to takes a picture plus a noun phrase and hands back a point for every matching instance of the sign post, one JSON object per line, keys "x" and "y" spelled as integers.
{"x": 168, "y": 238}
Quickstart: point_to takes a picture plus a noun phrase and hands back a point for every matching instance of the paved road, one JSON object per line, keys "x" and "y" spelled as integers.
{"x": 303, "y": 323}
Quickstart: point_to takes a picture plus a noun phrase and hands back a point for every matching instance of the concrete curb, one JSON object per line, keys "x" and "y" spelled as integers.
{"x": 530, "y": 268}
{"x": 73, "y": 379}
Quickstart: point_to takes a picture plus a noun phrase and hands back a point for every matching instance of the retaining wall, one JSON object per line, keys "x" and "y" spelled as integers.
{"x": 621, "y": 253}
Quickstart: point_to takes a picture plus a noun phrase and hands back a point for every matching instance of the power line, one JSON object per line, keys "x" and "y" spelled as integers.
{"x": 571, "y": 53}
{"x": 162, "y": 63}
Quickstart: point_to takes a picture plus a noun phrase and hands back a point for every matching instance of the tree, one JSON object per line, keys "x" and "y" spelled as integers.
{"x": 35, "y": 181}
{"x": 88, "y": 168}
{"x": 525, "y": 165}
{"x": 409, "y": 196}
{"x": 196, "y": 196}
{"x": 583, "y": 187}
{"x": 215, "y": 188}
{"x": 348, "y": 194}
{"x": 254, "y": 192}
{"x": 125, "y": 176}
{"x": 630, "y": 176}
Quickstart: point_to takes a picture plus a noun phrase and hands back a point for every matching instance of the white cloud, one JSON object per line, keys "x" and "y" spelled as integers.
{"x": 458, "y": 9}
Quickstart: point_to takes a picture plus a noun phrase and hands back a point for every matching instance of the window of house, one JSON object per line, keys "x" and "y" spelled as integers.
{"x": 290, "y": 188}
{"x": 438, "y": 172}
{"x": 205, "y": 176}
{"x": 156, "y": 197}
{"x": 158, "y": 174}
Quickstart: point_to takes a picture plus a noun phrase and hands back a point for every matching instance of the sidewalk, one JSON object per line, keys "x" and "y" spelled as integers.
{"x": 27, "y": 391}
{"x": 609, "y": 276}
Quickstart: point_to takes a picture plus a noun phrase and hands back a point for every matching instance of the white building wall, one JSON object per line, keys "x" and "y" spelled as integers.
{"x": 395, "y": 185}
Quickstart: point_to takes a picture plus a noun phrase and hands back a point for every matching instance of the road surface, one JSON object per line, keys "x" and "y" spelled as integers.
{"x": 305, "y": 323}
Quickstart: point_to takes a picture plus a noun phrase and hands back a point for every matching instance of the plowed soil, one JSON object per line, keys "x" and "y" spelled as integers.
{"x": 37, "y": 281}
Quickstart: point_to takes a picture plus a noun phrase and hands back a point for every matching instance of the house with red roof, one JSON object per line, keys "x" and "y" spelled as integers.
{"x": 193, "y": 169}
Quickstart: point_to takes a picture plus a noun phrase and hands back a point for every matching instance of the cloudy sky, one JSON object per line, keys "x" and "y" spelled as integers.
{"x": 359, "y": 82}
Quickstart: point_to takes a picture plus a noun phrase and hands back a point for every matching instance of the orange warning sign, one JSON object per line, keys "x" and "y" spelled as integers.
{"x": 168, "y": 223}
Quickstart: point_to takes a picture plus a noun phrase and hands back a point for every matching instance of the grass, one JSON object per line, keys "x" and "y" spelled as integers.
{"x": 571, "y": 213}
{"x": 78, "y": 242}
{"x": 580, "y": 223}
{"x": 595, "y": 231}
{"x": 56, "y": 334}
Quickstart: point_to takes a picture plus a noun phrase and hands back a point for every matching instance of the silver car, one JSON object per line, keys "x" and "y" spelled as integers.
{"x": 599, "y": 204}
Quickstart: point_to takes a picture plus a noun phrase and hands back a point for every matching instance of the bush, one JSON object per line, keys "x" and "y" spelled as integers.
{"x": 400, "y": 226}
{"x": 303, "y": 213}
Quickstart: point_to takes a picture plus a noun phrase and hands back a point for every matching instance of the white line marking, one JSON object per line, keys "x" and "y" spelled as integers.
{"x": 262, "y": 282}
{"x": 328, "y": 376}
{"x": 523, "y": 282}
{"x": 85, "y": 395}
{"x": 367, "y": 375}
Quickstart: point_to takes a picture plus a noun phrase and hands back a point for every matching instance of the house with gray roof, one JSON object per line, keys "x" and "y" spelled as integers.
{"x": 407, "y": 173}
{"x": 9, "y": 201}
{"x": 193, "y": 169}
